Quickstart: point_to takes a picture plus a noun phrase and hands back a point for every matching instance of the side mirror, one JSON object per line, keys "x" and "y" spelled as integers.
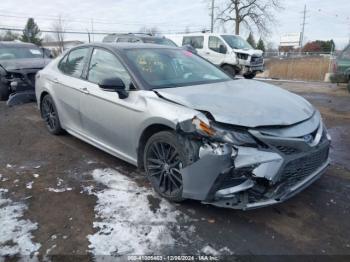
{"x": 222, "y": 49}
{"x": 114, "y": 84}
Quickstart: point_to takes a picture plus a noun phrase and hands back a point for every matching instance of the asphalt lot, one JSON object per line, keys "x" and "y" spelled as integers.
{"x": 61, "y": 196}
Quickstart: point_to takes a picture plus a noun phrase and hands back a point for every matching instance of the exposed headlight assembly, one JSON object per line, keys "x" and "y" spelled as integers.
{"x": 234, "y": 137}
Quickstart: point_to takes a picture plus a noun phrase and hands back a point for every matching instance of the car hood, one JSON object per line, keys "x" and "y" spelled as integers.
{"x": 243, "y": 102}
{"x": 249, "y": 51}
{"x": 18, "y": 64}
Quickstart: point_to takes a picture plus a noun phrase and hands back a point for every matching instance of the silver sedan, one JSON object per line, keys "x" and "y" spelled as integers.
{"x": 198, "y": 133}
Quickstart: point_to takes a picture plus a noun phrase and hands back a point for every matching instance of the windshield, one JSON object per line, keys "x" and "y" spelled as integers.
{"x": 165, "y": 68}
{"x": 159, "y": 41}
{"x": 8, "y": 53}
{"x": 236, "y": 42}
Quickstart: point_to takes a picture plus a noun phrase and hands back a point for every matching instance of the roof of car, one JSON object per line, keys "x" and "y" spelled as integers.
{"x": 15, "y": 44}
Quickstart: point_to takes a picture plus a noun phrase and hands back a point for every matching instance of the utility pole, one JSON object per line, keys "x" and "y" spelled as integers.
{"x": 303, "y": 28}
{"x": 92, "y": 30}
{"x": 212, "y": 16}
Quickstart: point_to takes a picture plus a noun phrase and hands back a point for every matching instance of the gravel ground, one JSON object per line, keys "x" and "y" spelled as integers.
{"x": 61, "y": 196}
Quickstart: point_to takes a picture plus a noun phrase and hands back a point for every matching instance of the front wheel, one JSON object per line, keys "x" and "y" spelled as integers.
{"x": 50, "y": 115}
{"x": 4, "y": 92}
{"x": 249, "y": 75}
{"x": 164, "y": 157}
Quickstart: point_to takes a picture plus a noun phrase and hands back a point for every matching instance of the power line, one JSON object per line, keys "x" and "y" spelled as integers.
{"x": 87, "y": 32}
{"x": 96, "y": 21}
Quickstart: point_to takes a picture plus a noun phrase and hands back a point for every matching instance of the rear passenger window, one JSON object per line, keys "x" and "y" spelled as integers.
{"x": 73, "y": 63}
{"x": 194, "y": 41}
{"x": 123, "y": 40}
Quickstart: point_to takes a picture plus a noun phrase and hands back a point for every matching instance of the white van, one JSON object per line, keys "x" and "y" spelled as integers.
{"x": 231, "y": 52}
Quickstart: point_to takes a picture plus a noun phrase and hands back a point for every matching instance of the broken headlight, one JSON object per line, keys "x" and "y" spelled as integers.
{"x": 215, "y": 133}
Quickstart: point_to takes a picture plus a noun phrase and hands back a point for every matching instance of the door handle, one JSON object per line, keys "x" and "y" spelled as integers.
{"x": 208, "y": 53}
{"x": 85, "y": 90}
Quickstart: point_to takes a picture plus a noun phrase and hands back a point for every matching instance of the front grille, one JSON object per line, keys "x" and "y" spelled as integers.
{"x": 287, "y": 150}
{"x": 298, "y": 169}
{"x": 257, "y": 60}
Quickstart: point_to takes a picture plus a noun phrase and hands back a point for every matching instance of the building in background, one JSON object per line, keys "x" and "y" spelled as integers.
{"x": 290, "y": 42}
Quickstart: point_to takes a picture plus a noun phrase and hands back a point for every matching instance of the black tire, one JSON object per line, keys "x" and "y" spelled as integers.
{"x": 250, "y": 75}
{"x": 4, "y": 92}
{"x": 229, "y": 70}
{"x": 164, "y": 155}
{"x": 50, "y": 115}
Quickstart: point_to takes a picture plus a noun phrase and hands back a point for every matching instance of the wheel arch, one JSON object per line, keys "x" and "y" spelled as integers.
{"x": 148, "y": 132}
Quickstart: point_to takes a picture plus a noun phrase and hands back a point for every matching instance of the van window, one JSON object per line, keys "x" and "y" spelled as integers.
{"x": 194, "y": 41}
{"x": 217, "y": 45}
{"x": 124, "y": 39}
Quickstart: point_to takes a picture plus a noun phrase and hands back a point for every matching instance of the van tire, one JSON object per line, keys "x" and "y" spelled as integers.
{"x": 250, "y": 75}
{"x": 4, "y": 92}
{"x": 230, "y": 70}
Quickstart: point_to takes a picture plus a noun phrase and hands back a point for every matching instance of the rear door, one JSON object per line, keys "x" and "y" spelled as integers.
{"x": 68, "y": 87}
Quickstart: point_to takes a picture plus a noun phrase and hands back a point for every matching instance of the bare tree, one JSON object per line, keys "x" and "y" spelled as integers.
{"x": 251, "y": 13}
{"x": 59, "y": 32}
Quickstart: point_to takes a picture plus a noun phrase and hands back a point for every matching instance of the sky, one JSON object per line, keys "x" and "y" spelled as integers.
{"x": 325, "y": 19}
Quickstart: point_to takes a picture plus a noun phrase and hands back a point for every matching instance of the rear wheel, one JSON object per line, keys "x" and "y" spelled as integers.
{"x": 230, "y": 70}
{"x": 50, "y": 115}
{"x": 4, "y": 92}
{"x": 249, "y": 75}
{"x": 164, "y": 157}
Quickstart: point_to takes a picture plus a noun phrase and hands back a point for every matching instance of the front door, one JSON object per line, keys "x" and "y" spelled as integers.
{"x": 216, "y": 51}
{"x": 106, "y": 118}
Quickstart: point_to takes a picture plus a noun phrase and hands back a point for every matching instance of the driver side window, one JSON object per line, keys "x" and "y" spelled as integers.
{"x": 217, "y": 45}
{"x": 105, "y": 65}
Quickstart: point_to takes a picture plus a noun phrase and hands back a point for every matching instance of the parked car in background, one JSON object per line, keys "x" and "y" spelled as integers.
{"x": 232, "y": 53}
{"x": 342, "y": 66}
{"x": 19, "y": 63}
{"x": 143, "y": 38}
{"x": 137, "y": 38}
{"x": 198, "y": 133}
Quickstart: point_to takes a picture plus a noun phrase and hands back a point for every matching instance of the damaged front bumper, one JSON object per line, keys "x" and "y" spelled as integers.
{"x": 242, "y": 177}
{"x": 21, "y": 84}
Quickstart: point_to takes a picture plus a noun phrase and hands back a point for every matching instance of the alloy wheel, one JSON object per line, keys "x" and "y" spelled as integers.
{"x": 163, "y": 166}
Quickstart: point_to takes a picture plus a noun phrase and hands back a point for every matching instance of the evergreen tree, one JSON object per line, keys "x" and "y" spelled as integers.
{"x": 261, "y": 45}
{"x": 31, "y": 33}
{"x": 251, "y": 40}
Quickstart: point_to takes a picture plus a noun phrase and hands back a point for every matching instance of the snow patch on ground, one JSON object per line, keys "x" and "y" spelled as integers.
{"x": 126, "y": 224}
{"x": 59, "y": 190}
{"x": 15, "y": 232}
{"x": 208, "y": 250}
{"x": 29, "y": 185}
